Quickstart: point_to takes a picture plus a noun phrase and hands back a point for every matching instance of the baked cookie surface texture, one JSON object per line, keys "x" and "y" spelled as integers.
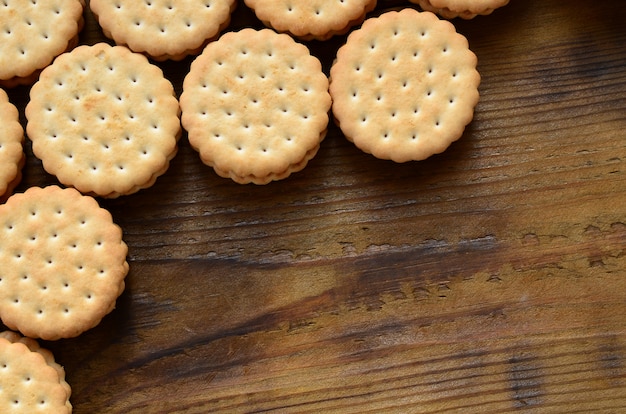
{"x": 33, "y": 33}
{"x": 11, "y": 150}
{"x": 163, "y": 29}
{"x": 104, "y": 120}
{"x": 255, "y": 105}
{"x": 311, "y": 19}
{"x": 465, "y": 9}
{"x": 404, "y": 85}
{"x": 30, "y": 379}
{"x": 62, "y": 262}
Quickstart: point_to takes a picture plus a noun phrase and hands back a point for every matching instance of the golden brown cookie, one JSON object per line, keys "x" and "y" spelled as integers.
{"x": 255, "y": 105}
{"x": 311, "y": 19}
{"x": 33, "y": 33}
{"x": 11, "y": 152}
{"x": 465, "y": 9}
{"x": 163, "y": 29}
{"x": 104, "y": 120}
{"x": 30, "y": 379}
{"x": 404, "y": 86}
{"x": 62, "y": 262}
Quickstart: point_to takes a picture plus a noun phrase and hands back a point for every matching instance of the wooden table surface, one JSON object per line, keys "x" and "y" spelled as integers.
{"x": 488, "y": 279}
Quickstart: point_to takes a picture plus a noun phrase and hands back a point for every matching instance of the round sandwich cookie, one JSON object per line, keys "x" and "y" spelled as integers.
{"x": 404, "y": 85}
{"x": 163, "y": 29}
{"x": 33, "y": 33}
{"x": 255, "y": 105}
{"x": 11, "y": 151}
{"x": 311, "y": 19}
{"x": 62, "y": 262}
{"x": 30, "y": 379}
{"x": 104, "y": 120}
{"x": 465, "y": 9}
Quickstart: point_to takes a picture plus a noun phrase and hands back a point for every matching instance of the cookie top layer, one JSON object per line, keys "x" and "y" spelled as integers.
{"x": 104, "y": 120}
{"x": 255, "y": 104}
{"x": 31, "y": 381}
{"x": 33, "y": 33}
{"x": 11, "y": 139}
{"x": 163, "y": 29}
{"x": 466, "y": 9}
{"x": 311, "y": 19}
{"x": 404, "y": 86}
{"x": 62, "y": 262}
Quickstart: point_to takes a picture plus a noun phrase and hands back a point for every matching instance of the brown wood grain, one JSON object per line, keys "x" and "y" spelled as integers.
{"x": 488, "y": 279}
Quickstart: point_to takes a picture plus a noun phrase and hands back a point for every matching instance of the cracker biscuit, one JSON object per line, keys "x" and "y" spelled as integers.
{"x": 311, "y": 19}
{"x": 11, "y": 151}
{"x": 163, "y": 29}
{"x": 30, "y": 380}
{"x": 104, "y": 120}
{"x": 33, "y": 33}
{"x": 62, "y": 262}
{"x": 255, "y": 105}
{"x": 404, "y": 86}
{"x": 465, "y": 9}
